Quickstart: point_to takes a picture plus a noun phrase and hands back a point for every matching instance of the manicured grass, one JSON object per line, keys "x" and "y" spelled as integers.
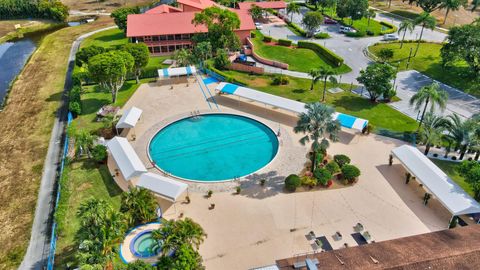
{"x": 298, "y": 59}
{"x": 86, "y": 179}
{"x": 428, "y": 61}
{"x": 406, "y": 14}
{"x": 450, "y": 168}
{"x": 380, "y": 115}
{"x": 107, "y": 38}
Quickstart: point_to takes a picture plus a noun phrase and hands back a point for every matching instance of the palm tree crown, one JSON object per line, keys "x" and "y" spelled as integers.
{"x": 432, "y": 130}
{"x": 425, "y": 20}
{"x": 326, "y": 73}
{"x": 405, "y": 26}
{"x": 293, "y": 8}
{"x": 431, "y": 95}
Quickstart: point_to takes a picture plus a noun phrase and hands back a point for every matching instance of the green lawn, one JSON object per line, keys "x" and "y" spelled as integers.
{"x": 449, "y": 168}
{"x": 428, "y": 61}
{"x": 298, "y": 59}
{"x": 107, "y": 38}
{"x": 380, "y": 115}
{"x": 86, "y": 179}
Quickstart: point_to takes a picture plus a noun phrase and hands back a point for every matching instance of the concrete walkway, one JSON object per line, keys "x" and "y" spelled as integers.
{"x": 39, "y": 246}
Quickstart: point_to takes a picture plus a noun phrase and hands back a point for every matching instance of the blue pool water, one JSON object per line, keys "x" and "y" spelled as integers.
{"x": 144, "y": 246}
{"x": 213, "y": 147}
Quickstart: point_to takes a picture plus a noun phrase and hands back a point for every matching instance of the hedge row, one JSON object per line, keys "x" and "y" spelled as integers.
{"x": 267, "y": 38}
{"x": 227, "y": 77}
{"x": 322, "y": 35}
{"x": 326, "y": 53}
{"x": 297, "y": 29}
{"x": 392, "y": 28}
{"x": 285, "y": 42}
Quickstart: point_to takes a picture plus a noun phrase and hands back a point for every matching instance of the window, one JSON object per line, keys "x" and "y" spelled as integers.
{"x": 171, "y": 48}
{"x": 185, "y": 36}
{"x": 178, "y": 37}
{"x": 164, "y": 49}
{"x": 178, "y": 47}
{"x": 170, "y": 37}
{"x": 140, "y": 39}
{"x": 163, "y": 37}
{"x": 156, "y": 49}
{"x": 148, "y": 38}
{"x": 155, "y": 38}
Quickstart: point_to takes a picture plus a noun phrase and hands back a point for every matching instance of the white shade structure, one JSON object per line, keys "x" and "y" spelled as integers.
{"x": 163, "y": 186}
{"x": 451, "y": 195}
{"x": 294, "y": 106}
{"x": 178, "y": 71}
{"x": 125, "y": 157}
{"x": 129, "y": 118}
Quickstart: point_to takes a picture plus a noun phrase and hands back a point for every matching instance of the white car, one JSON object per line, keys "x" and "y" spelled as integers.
{"x": 346, "y": 29}
{"x": 258, "y": 25}
{"x": 390, "y": 37}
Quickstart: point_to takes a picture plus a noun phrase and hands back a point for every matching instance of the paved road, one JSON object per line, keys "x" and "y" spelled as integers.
{"x": 39, "y": 246}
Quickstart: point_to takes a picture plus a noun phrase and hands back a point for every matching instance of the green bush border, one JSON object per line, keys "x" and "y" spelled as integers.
{"x": 227, "y": 77}
{"x": 285, "y": 42}
{"x": 392, "y": 27}
{"x": 326, "y": 53}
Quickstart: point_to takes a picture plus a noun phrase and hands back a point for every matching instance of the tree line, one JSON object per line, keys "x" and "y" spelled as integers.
{"x": 41, "y": 9}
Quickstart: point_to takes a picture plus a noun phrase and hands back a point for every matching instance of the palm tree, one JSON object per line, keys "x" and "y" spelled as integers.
{"x": 431, "y": 95}
{"x": 404, "y": 26}
{"x": 316, "y": 123}
{"x": 326, "y": 73}
{"x": 432, "y": 129}
{"x": 425, "y": 20}
{"x": 452, "y": 5}
{"x": 461, "y": 133}
{"x": 175, "y": 233}
{"x": 182, "y": 57}
{"x": 139, "y": 205}
{"x": 370, "y": 15}
{"x": 293, "y": 8}
{"x": 315, "y": 75}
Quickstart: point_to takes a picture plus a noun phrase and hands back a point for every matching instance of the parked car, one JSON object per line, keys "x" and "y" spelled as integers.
{"x": 390, "y": 37}
{"x": 329, "y": 21}
{"x": 346, "y": 29}
{"x": 258, "y": 25}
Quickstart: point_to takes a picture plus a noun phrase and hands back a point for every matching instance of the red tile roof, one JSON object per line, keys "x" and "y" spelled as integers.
{"x": 200, "y": 4}
{"x": 266, "y": 4}
{"x": 162, "y": 9}
{"x": 174, "y": 23}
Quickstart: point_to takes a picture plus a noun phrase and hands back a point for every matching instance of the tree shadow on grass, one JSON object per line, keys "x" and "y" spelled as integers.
{"x": 353, "y": 103}
{"x": 112, "y": 187}
{"x": 92, "y": 105}
{"x": 111, "y": 37}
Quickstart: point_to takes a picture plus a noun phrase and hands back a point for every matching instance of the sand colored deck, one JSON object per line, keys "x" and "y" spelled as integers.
{"x": 265, "y": 223}
{"x": 126, "y": 254}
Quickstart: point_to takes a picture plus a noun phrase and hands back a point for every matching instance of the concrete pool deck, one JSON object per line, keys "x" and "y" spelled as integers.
{"x": 126, "y": 254}
{"x": 264, "y": 223}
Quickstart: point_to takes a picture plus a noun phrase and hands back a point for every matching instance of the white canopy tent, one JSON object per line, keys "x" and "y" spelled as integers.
{"x": 163, "y": 186}
{"x": 178, "y": 71}
{"x": 127, "y": 160}
{"x": 286, "y": 104}
{"x": 451, "y": 195}
{"x": 129, "y": 118}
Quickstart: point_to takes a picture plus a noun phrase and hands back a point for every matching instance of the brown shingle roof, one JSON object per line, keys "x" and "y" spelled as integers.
{"x": 449, "y": 249}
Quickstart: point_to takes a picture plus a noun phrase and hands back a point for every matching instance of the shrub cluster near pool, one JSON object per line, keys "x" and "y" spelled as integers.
{"x": 329, "y": 55}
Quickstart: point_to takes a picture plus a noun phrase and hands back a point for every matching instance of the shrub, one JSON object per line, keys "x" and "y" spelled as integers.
{"x": 391, "y": 28}
{"x": 221, "y": 60}
{"x": 332, "y": 167}
{"x": 322, "y": 35}
{"x": 75, "y": 93}
{"x": 350, "y": 172}
{"x": 267, "y": 38}
{"x": 370, "y": 33}
{"x": 285, "y": 42}
{"x": 297, "y": 29}
{"x": 280, "y": 80}
{"x": 292, "y": 182}
{"x": 356, "y": 34}
{"x": 209, "y": 193}
{"x": 99, "y": 153}
{"x": 238, "y": 189}
{"x": 226, "y": 77}
{"x": 262, "y": 182}
{"x": 75, "y": 108}
{"x": 322, "y": 51}
{"x": 253, "y": 34}
{"x": 309, "y": 181}
{"x": 341, "y": 160}
{"x": 322, "y": 175}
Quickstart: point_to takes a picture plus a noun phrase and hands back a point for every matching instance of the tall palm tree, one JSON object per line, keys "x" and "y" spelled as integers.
{"x": 452, "y": 5}
{"x": 431, "y": 95}
{"x": 324, "y": 74}
{"x": 182, "y": 57}
{"x": 139, "y": 205}
{"x": 405, "y": 26}
{"x": 315, "y": 76}
{"x": 293, "y": 8}
{"x": 461, "y": 133}
{"x": 426, "y": 21}
{"x": 317, "y": 123}
{"x": 370, "y": 15}
{"x": 432, "y": 129}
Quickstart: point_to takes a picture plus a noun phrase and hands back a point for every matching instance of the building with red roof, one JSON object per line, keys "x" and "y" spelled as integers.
{"x": 165, "y": 29}
{"x": 264, "y": 5}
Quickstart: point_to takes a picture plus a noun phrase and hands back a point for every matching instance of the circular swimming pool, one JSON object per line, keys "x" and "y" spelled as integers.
{"x": 144, "y": 246}
{"x": 213, "y": 147}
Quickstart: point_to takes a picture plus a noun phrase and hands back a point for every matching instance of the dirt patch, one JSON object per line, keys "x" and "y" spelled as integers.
{"x": 26, "y": 126}
{"x": 462, "y": 16}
